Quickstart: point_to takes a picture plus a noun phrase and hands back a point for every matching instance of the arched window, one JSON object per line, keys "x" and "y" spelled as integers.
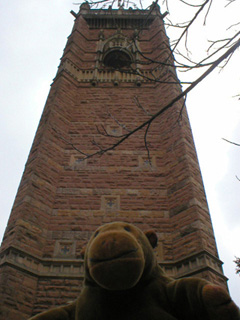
{"x": 117, "y": 58}
{"x": 117, "y": 52}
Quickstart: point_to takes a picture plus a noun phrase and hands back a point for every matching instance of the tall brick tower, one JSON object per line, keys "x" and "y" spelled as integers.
{"x": 107, "y": 84}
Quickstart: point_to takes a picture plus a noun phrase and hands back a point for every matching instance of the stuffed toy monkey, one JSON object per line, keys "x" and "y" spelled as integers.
{"x": 123, "y": 281}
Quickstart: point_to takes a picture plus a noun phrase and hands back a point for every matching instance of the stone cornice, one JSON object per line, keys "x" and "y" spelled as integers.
{"x": 95, "y": 76}
{"x": 194, "y": 264}
{"x": 74, "y": 268}
{"x": 42, "y": 267}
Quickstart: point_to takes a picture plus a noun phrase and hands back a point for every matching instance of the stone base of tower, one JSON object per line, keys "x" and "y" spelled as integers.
{"x": 31, "y": 285}
{"x": 17, "y": 292}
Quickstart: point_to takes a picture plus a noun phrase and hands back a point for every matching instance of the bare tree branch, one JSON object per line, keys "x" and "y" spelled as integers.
{"x": 68, "y": 142}
{"x": 229, "y": 2}
{"x": 191, "y": 5}
{"x": 118, "y": 123}
{"x": 148, "y": 122}
{"x": 141, "y": 107}
{"x": 157, "y": 69}
{"x": 236, "y": 144}
{"x": 190, "y": 23}
{"x": 146, "y": 143}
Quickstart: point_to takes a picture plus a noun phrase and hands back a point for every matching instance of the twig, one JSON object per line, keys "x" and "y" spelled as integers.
{"x": 236, "y": 144}
{"x": 169, "y": 105}
{"x": 230, "y": 2}
{"x": 138, "y": 104}
{"x": 118, "y": 123}
{"x": 146, "y": 143}
{"x": 233, "y": 25}
{"x": 181, "y": 110}
{"x": 71, "y": 144}
{"x": 190, "y": 5}
{"x": 190, "y": 23}
{"x": 206, "y": 15}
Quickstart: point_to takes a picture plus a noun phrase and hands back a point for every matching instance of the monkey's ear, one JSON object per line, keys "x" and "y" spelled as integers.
{"x": 152, "y": 237}
{"x": 82, "y": 252}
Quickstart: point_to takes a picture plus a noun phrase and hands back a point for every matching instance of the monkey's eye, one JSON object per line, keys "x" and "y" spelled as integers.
{"x": 127, "y": 229}
{"x": 96, "y": 233}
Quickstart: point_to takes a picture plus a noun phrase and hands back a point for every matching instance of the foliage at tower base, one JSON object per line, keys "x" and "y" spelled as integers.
{"x": 237, "y": 261}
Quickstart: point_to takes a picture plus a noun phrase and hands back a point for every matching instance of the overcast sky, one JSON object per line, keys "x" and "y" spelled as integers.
{"x": 33, "y": 35}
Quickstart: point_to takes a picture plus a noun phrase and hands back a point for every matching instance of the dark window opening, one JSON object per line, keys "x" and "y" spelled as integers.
{"x": 117, "y": 59}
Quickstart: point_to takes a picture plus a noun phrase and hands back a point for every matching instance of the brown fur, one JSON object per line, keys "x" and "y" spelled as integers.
{"x": 124, "y": 282}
